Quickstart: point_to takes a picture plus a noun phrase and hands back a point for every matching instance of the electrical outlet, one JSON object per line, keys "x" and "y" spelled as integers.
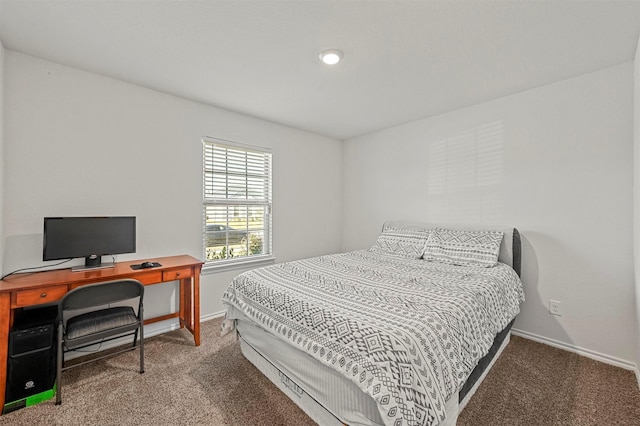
{"x": 555, "y": 307}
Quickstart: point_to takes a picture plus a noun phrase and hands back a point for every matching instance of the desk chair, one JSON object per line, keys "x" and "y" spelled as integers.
{"x": 87, "y": 316}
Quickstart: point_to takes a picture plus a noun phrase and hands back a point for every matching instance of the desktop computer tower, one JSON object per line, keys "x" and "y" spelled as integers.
{"x": 31, "y": 363}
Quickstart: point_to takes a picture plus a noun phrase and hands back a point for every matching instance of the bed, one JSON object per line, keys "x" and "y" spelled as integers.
{"x": 398, "y": 334}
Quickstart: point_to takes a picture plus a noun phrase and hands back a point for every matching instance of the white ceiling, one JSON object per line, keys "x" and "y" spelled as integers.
{"x": 403, "y": 60}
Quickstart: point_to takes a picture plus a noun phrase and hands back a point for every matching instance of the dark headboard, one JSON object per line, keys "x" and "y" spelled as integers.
{"x": 517, "y": 252}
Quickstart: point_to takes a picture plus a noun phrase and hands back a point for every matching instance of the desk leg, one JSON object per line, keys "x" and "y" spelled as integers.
{"x": 186, "y": 304}
{"x": 183, "y": 298}
{"x": 5, "y": 318}
{"x": 196, "y": 307}
{"x": 190, "y": 306}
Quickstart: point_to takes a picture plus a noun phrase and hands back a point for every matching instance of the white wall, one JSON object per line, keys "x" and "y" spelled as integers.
{"x": 554, "y": 162}
{"x": 2, "y": 190}
{"x": 78, "y": 143}
{"x": 636, "y": 195}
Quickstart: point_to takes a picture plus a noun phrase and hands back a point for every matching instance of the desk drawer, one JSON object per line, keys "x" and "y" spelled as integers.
{"x": 151, "y": 277}
{"x": 39, "y": 296}
{"x": 176, "y": 274}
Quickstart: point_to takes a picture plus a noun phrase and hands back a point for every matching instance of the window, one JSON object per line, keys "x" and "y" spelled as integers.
{"x": 237, "y": 201}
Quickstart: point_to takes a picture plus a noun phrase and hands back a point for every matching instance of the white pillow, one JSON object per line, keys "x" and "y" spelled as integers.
{"x": 467, "y": 248}
{"x": 404, "y": 242}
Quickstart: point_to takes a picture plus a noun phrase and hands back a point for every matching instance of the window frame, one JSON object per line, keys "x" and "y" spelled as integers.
{"x": 208, "y": 201}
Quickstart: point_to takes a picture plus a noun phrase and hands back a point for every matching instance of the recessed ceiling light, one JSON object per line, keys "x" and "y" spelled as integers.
{"x": 331, "y": 56}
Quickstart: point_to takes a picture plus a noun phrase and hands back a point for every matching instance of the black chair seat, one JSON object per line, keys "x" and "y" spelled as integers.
{"x": 99, "y": 321}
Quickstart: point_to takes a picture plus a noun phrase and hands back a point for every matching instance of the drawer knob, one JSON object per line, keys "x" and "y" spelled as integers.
{"x": 177, "y": 274}
{"x": 43, "y": 295}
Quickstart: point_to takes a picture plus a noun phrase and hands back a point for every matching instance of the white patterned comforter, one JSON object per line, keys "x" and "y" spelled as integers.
{"x": 407, "y": 332}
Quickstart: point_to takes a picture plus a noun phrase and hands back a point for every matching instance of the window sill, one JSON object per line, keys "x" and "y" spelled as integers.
{"x": 229, "y": 265}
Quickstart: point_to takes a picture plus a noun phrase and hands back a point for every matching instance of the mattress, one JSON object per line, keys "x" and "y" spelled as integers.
{"x": 405, "y": 332}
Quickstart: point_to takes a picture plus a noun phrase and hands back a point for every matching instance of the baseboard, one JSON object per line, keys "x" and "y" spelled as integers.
{"x": 607, "y": 359}
{"x": 170, "y": 325}
{"x": 149, "y": 331}
{"x": 213, "y": 315}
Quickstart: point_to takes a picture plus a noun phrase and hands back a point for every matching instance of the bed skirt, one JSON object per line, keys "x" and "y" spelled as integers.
{"x": 326, "y": 396}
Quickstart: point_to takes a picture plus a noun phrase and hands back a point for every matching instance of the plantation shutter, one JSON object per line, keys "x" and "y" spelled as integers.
{"x": 237, "y": 201}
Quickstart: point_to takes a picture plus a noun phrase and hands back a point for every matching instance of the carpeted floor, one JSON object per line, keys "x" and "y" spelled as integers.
{"x": 531, "y": 384}
{"x": 536, "y": 384}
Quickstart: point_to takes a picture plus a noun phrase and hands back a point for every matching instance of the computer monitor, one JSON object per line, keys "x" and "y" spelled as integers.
{"x": 88, "y": 237}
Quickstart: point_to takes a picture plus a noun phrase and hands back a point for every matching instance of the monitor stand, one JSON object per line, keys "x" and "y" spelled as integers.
{"x": 79, "y": 268}
{"x": 92, "y": 262}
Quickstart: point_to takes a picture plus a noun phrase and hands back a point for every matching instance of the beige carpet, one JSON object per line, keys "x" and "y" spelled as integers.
{"x": 536, "y": 384}
{"x": 531, "y": 384}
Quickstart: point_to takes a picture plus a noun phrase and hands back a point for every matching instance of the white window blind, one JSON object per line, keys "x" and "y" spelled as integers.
{"x": 237, "y": 201}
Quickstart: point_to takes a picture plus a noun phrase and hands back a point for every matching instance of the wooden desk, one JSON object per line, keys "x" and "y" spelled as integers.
{"x": 31, "y": 289}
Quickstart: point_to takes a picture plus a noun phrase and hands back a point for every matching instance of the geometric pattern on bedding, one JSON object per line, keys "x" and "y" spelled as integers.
{"x": 460, "y": 247}
{"x": 405, "y": 331}
{"x": 405, "y": 242}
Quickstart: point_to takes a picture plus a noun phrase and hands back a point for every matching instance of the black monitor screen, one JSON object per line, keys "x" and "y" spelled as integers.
{"x": 71, "y": 237}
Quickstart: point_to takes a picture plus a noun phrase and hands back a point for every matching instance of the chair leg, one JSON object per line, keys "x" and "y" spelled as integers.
{"x": 141, "y": 315}
{"x": 141, "y": 349}
{"x": 59, "y": 361}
